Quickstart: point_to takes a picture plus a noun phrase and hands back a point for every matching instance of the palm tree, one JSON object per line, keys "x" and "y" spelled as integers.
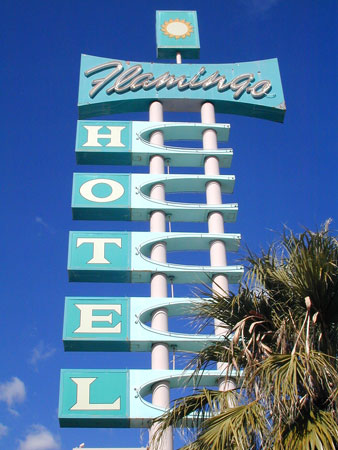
{"x": 280, "y": 346}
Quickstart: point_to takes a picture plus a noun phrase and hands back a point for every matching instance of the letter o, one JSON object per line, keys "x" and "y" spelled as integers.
{"x": 86, "y": 190}
{"x": 260, "y": 89}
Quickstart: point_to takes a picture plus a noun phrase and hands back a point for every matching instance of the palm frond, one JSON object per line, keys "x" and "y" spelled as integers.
{"x": 293, "y": 383}
{"x": 241, "y": 427}
{"x": 318, "y": 430}
{"x": 192, "y": 410}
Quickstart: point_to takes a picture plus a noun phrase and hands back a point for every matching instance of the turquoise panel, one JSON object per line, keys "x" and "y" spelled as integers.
{"x": 250, "y": 88}
{"x": 143, "y": 205}
{"x": 181, "y": 183}
{"x": 142, "y": 337}
{"x": 124, "y": 257}
{"x": 140, "y": 151}
{"x": 130, "y": 315}
{"x": 144, "y": 267}
{"x": 101, "y": 196}
{"x": 103, "y": 403}
{"x": 142, "y": 381}
{"x": 176, "y": 241}
{"x": 99, "y": 142}
{"x": 177, "y": 131}
{"x": 177, "y": 31}
{"x": 99, "y": 256}
{"x": 81, "y": 332}
{"x": 125, "y": 389}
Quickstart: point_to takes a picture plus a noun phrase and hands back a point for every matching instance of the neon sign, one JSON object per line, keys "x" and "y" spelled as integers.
{"x": 250, "y": 89}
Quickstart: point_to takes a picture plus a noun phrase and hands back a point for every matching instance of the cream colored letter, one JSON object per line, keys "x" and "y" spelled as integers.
{"x": 98, "y": 248}
{"x": 86, "y": 190}
{"x": 87, "y": 319}
{"x": 83, "y": 396}
{"x": 93, "y": 136}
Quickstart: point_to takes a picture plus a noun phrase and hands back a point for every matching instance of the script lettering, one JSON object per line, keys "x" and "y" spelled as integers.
{"x": 134, "y": 79}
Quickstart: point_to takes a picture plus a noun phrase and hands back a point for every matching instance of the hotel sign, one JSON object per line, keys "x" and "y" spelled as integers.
{"x": 119, "y": 397}
{"x": 110, "y": 86}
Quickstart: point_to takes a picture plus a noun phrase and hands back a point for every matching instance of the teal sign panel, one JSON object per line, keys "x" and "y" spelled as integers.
{"x": 94, "y": 398}
{"x": 113, "y": 86}
{"x": 177, "y": 31}
{"x": 128, "y": 143}
{"x": 97, "y": 256}
{"x": 102, "y": 196}
{"x": 124, "y": 257}
{"x": 97, "y": 142}
{"x": 116, "y": 398}
{"x": 96, "y": 324}
{"x": 121, "y": 324}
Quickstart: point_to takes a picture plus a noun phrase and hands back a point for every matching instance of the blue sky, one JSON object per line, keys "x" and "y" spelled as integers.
{"x": 285, "y": 173}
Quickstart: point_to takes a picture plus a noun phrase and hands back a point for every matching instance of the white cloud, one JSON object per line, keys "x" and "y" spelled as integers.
{"x": 3, "y": 430}
{"x": 12, "y": 392}
{"x": 40, "y": 220}
{"x": 41, "y": 352}
{"x": 39, "y": 438}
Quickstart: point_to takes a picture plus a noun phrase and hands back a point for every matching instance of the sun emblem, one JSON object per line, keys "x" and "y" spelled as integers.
{"x": 178, "y": 28}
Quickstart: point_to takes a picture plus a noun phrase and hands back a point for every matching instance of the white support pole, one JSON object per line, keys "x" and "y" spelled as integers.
{"x": 215, "y": 220}
{"x": 159, "y": 282}
{"x": 214, "y": 197}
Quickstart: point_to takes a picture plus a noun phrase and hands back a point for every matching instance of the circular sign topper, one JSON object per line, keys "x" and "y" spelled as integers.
{"x": 178, "y": 28}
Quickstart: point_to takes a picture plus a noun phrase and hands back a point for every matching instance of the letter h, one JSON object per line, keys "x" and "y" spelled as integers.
{"x": 93, "y": 136}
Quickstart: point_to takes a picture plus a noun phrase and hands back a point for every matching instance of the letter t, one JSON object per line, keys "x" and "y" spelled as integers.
{"x": 98, "y": 248}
